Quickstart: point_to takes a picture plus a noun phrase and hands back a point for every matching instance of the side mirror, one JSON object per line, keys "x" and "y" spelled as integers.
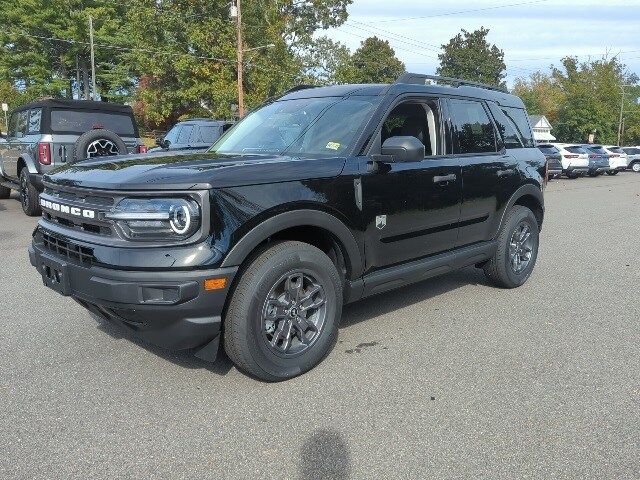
{"x": 160, "y": 142}
{"x": 403, "y": 149}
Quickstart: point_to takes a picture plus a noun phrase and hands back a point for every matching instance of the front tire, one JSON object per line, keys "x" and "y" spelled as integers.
{"x": 28, "y": 195}
{"x": 284, "y": 314}
{"x": 635, "y": 167}
{"x": 612, "y": 172}
{"x": 517, "y": 251}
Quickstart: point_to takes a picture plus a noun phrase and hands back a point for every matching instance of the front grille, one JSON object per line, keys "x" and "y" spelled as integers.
{"x": 68, "y": 249}
{"x": 77, "y": 225}
{"x": 91, "y": 199}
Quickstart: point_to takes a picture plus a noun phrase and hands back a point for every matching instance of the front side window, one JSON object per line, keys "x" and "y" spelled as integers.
{"x": 414, "y": 119}
{"x": 172, "y": 135}
{"x": 35, "y": 117}
{"x": 616, "y": 150}
{"x": 520, "y": 120}
{"x": 80, "y": 121}
{"x": 473, "y": 131}
{"x": 316, "y": 127}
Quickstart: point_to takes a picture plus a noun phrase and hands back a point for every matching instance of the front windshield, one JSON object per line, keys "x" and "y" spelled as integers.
{"x": 317, "y": 127}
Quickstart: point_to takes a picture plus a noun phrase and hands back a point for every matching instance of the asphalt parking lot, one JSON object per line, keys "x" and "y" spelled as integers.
{"x": 450, "y": 378}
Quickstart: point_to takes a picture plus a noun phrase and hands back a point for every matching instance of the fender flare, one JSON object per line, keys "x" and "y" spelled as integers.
{"x": 29, "y": 162}
{"x": 297, "y": 218}
{"x": 527, "y": 189}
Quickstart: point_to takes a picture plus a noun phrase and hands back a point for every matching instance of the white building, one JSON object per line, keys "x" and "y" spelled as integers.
{"x": 541, "y": 128}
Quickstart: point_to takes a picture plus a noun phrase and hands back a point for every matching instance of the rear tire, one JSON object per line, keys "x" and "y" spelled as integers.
{"x": 268, "y": 317}
{"x": 572, "y": 175}
{"x": 635, "y": 167}
{"x": 612, "y": 172}
{"x": 29, "y": 196}
{"x": 517, "y": 251}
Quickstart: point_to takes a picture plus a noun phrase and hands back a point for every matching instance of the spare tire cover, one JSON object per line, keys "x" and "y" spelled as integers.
{"x": 98, "y": 143}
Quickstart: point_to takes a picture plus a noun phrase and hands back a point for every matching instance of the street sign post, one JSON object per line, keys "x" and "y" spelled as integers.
{"x": 5, "y": 109}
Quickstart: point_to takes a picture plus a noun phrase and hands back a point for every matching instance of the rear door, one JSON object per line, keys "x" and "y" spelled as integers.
{"x": 487, "y": 169}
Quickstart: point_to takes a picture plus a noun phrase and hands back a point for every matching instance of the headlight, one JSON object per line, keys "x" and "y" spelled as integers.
{"x": 145, "y": 219}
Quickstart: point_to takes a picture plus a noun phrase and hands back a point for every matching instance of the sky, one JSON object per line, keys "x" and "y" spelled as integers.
{"x": 533, "y": 34}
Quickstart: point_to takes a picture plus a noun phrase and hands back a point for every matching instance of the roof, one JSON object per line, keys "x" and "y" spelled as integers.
{"x": 77, "y": 105}
{"x": 502, "y": 98}
{"x": 205, "y": 120}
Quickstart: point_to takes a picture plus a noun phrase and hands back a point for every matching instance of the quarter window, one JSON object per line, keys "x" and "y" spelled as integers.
{"x": 520, "y": 120}
{"x": 507, "y": 128}
{"x": 20, "y": 128}
{"x": 35, "y": 118}
{"x": 473, "y": 131}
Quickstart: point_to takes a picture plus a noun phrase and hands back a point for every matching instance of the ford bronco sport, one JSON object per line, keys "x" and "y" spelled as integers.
{"x": 45, "y": 134}
{"x": 322, "y": 197}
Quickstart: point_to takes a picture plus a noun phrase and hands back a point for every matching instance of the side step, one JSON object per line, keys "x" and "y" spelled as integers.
{"x": 415, "y": 271}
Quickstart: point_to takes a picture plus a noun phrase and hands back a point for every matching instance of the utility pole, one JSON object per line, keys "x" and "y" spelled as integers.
{"x": 621, "y": 113}
{"x": 94, "y": 93}
{"x": 238, "y": 12}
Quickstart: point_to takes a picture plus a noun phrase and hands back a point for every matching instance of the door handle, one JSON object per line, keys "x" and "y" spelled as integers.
{"x": 445, "y": 178}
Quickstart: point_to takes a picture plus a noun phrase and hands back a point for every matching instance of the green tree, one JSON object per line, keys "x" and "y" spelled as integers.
{"x": 321, "y": 59}
{"x": 592, "y": 94}
{"x": 374, "y": 62}
{"x": 44, "y": 46}
{"x": 469, "y": 56}
{"x": 541, "y": 94}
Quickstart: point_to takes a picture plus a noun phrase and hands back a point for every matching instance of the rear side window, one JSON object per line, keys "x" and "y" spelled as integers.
{"x": 35, "y": 119}
{"x": 473, "y": 131}
{"x": 74, "y": 121}
{"x": 520, "y": 121}
{"x": 632, "y": 151}
{"x": 209, "y": 134}
{"x": 18, "y": 124}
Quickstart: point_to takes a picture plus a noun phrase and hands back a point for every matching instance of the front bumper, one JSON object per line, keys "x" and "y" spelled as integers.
{"x": 168, "y": 308}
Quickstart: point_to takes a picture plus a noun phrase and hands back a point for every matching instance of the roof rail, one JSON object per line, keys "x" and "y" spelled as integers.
{"x": 299, "y": 87}
{"x": 420, "y": 79}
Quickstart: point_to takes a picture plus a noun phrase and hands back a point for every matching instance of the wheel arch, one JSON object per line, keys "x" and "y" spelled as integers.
{"x": 316, "y": 227}
{"x": 530, "y": 196}
{"x": 27, "y": 161}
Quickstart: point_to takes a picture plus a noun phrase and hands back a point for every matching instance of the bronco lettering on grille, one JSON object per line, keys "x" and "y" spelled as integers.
{"x": 75, "y": 211}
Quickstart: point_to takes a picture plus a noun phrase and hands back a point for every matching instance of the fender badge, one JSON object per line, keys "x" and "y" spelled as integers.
{"x": 381, "y": 222}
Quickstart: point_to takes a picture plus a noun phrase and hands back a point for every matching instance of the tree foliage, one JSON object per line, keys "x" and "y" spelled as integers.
{"x": 469, "y": 56}
{"x": 580, "y": 98}
{"x": 374, "y": 62}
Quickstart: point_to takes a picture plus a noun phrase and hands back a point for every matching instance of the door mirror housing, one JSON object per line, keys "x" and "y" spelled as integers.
{"x": 403, "y": 149}
{"x": 160, "y": 142}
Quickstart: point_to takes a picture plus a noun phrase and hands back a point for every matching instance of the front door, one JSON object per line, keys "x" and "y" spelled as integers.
{"x": 411, "y": 210}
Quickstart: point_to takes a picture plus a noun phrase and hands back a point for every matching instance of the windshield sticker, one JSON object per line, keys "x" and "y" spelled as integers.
{"x": 333, "y": 146}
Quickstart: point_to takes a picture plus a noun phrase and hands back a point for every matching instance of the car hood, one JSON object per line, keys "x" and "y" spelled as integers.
{"x": 187, "y": 170}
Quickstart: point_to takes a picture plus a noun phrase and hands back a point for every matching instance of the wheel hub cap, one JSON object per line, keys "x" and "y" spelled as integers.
{"x": 520, "y": 248}
{"x": 294, "y": 313}
{"x": 102, "y": 148}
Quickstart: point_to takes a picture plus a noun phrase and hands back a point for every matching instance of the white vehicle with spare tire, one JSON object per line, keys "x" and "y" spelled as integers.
{"x": 50, "y": 133}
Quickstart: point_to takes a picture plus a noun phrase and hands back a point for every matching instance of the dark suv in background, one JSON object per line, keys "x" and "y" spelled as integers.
{"x": 195, "y": 134}
{"x": 319, "y": 198}
{"x": 46, "y": 134}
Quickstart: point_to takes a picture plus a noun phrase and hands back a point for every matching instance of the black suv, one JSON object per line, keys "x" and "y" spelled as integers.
{"x": 49, "y": 133}
{"x": 322, "y": 197}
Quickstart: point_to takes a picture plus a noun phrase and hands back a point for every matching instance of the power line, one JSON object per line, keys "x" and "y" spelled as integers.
{"x": 461, "y": 12}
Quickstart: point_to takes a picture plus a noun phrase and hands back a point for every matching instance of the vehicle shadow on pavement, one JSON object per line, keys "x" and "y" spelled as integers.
{"x": 324, "y": 456}
{"x": 184, "y": 359}
{"x": 392, "y": 300}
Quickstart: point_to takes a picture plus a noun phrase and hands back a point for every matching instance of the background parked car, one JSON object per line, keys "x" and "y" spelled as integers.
{"x": 598, "y": 159}
{"x": 633, "y": 158}
{"x": 49, "y": 133}
{"x": 554, "y": 159}
{"x": 575, "y": 161}
{"x": 617, "y": 159}
{"x": 195, "y": 134}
